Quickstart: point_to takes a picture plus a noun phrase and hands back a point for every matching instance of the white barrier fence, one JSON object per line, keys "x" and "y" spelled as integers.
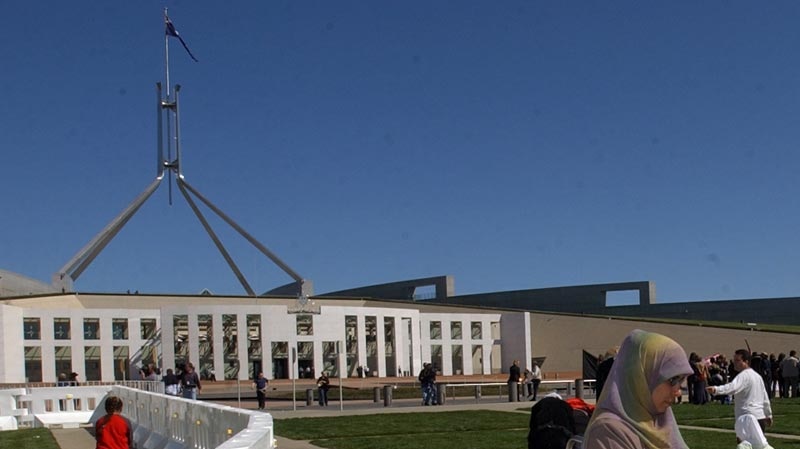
{"x": 167, "y": 422}
{"x": 159, "y": 421}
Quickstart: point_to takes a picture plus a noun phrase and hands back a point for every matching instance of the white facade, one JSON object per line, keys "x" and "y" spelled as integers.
{"x": 103, "y": 337}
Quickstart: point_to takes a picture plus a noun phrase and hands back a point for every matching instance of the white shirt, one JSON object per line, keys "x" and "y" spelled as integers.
{"x": 750, "y": 396}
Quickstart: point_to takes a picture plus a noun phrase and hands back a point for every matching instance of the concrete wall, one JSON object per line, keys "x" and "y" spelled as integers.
{"x": 561, "y": 338}
{"x": 12, "y": 353}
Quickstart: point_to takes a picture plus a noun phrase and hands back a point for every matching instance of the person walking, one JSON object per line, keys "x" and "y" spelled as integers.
{"x": 750, "y": 396}
{"x": 514, "y": 378}
{"x": 260, "y": 383}
{"x": 536, "y": 379}
{"x": 790, "y": 370}
{"x": 323, "y": 384}
{"x": 427, "y": 380}
{"x": 171, "y": 383}
{"x": 190, "y": 382}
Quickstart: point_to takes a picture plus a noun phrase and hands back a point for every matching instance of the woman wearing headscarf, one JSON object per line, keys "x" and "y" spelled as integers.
{"x": 633, "y": 411}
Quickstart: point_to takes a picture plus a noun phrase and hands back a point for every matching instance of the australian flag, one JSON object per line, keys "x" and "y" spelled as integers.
{"x": 171, "y": 31}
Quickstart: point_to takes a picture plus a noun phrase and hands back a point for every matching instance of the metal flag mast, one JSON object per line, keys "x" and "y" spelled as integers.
{"x": 63, "y": 279}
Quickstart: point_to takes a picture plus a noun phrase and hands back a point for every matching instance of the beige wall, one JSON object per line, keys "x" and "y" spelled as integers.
{"x": 562, "y": 338}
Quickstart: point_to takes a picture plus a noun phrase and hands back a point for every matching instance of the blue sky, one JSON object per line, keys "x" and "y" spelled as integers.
{"x": 513, "y": 145}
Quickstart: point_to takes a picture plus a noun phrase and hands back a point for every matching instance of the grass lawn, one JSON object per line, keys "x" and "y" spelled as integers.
{"x": 27, "y": 439}
{"x": 501, "y": 430}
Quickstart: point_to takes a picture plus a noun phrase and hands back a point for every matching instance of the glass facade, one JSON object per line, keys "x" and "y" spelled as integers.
{"x": 63, "y": 361}
{"x": 32, "y": 328}
{"x": 122, "y": 363}
{"x": 280, "y": 360}
{"x": 119, "y": 327}
{"x": 476, "y": 330}
{"x": 147, "y": 328}
{"x": 436, "y": 330}
{"x": 91, "y": 328}
{"x": 305, "y": 324}
{"x": 371, "y": 331}
{"x": 230, "y": 344}
{"x": 205, "y": 332}
{"x": 180, "y": 326}
{"x": 254, "y": 354}
{"x": 389, "y": 344}
{"x": 33, "y": 363}
{"x": 61, "y": 329}
{"x": 455, "y": 330}
{"x": 92, "y": 368}
{"x": 351, "y": 341}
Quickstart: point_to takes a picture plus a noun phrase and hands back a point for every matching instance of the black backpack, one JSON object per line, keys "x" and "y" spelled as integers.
{"x": 552, "y": 424}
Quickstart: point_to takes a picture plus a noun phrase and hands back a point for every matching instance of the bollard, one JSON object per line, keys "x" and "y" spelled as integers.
{"x": 512, "y": 392}
{"x": 441, "y": 392}
{"x": 579, "y": 388}
{"x": 387, "y": 396}
{"x": 477, "y": 393}
{"x": 569, "y": 389}
{"x": 309, "y": 396}
{"x": 376, "y": 394}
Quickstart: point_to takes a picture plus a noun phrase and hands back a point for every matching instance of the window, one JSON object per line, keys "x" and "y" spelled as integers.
{"x": 119, "y": 328}
{"x": 436, "y": 330}
{"x": 63, "y": 360}
{"x": 330, "y": 358}
{"x": 457, "y": 359}
{"x": 61, "y": 328}
{"x": 455, "y": 330}
{"x": 436, "y": 357}
{"x": 122, "y": 363}
{"x": 351, "y": 344}
{"x": 180, "y": 327}
{"x": 476, "y": 330}
{"x": 305, "y": 324}
{"x": 254, "y": 344}
{"x": 91, "y": 329}
{"x": 32, "y": 328}
{"x": 147, "y": 328}
{"x": 205, "y": 333}
{"x": 92, "y": 365}
{"x": 33, "y": 363}
{"x": 230, "y": 346}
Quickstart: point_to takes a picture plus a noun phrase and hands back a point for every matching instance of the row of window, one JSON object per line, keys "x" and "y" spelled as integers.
{"x": 62, "y": 328}
{"x": 476, "y": 330}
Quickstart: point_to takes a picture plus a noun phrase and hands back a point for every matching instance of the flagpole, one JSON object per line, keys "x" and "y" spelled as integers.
{"x": 166, "y": 52}
{"x": 169, "y": 108}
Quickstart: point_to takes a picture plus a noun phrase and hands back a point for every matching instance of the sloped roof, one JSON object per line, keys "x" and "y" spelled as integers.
{"x": 15, "y": 284}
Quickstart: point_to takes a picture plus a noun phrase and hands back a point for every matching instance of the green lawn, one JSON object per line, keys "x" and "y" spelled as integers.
{"x": 27, "y": 439}
{"x": 501, "y": 430}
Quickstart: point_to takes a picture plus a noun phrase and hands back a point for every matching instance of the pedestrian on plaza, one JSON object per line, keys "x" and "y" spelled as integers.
{"x": 171, "y": 383}
{"x": 514, "y": 378}
{"x": 323, "y": 384}
{"x": 749, "y": 396}
{"x": 260, "y": 385}
{"x": 427, "y": 380}
{"x": 190, "y": 382}
{"x": 790, "y": 370}
{"x": 634, "y": 411}
{"x": 536, "y": 379}
{"x": 113, "y": 431}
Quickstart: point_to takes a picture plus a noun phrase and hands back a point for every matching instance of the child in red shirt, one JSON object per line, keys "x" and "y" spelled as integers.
{"x": 113, "y": 431}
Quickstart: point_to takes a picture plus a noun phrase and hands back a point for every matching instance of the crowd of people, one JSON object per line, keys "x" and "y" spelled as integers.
{"x": 778, "y": 373}
{"x": 637, "y": 387}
